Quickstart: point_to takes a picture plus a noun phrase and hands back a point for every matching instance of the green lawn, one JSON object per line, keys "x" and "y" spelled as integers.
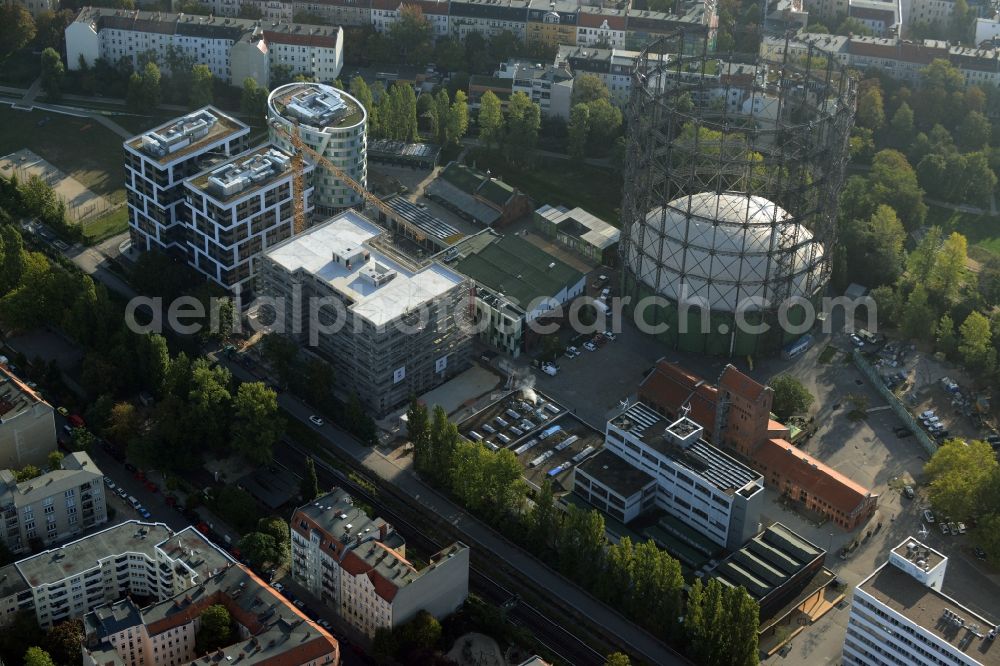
{"x": 105, "y": 227}
{"x": 82, "y": 148}
{"x": 982, "y": 231}
{"x": 562, "y": 182}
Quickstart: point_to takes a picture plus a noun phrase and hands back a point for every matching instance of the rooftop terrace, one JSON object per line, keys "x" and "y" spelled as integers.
{"x": 316, "y": 105}
{"x": 244, "y": 174}
{"x": 185, "y": 135}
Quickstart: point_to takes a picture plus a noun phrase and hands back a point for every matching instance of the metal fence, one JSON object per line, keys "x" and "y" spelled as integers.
{"x": 869, "y": 371}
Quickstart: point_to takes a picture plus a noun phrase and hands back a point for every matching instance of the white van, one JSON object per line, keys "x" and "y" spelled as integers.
{"x": 134, "y": 502}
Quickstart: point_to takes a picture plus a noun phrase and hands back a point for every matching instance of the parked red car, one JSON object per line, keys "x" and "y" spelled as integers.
{"x": 76, "y": 421}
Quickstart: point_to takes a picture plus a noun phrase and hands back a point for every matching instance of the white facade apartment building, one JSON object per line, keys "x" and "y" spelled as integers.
{"x": 550, "y": 87}
{"x": 54, "y": 506}
{"x": 136, "y": 558}
{"x": 233, "y": 48}
{"x": 900, "y": 616}
{"x": 330, "y": 122}
{"x": 158, "y": 162}
{"x": 702, "y": 486}
{"x": 357, "y": 565}
{"x": 238, "y": 210}
{"x": 390, "y": 331}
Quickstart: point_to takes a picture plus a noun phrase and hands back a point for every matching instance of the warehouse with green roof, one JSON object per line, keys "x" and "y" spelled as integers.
{"x": 516, "y": 282}
{"x": 477, "y": 196}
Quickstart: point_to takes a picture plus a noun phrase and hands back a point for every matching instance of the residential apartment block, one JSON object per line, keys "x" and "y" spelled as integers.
{"x": 234, "y": 49}
{"x": 158, "y": 162}
{"x": 391, "y": 330}
{"x": 899, "y": 615}
{"x": 144, "y": 560}
{"x": 737, "y": 415}
{"x": 357, "y": 565}
{"x": 269, "y": 628}
{"x": 900, "y": 59}
{"x": 692, "y": 480}
{"x": 541, "y": 22}
{"x": 332, "y": 123}
{"x": 54, "y": 506}
{"x": 27, "y": 424}
{"x": 238, "y": 210}
{"x": 551, "y": 88}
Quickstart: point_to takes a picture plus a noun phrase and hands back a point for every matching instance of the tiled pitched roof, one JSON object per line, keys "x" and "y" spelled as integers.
{"x": 736, "y": 382}
{"x": 668, "y": 386}
{"x": 816, "y": 477}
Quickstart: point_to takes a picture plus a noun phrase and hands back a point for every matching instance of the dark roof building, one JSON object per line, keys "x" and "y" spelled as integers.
{"x": 478, "y": 196}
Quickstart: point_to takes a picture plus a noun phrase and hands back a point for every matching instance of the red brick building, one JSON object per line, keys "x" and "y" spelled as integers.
{"x": 737, "y": 414}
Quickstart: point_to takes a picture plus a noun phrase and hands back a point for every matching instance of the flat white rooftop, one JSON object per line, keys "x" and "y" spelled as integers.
{"x": 381, "y": 290}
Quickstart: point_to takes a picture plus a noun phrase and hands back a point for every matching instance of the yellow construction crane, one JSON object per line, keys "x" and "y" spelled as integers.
{"x": 298, "y": 209}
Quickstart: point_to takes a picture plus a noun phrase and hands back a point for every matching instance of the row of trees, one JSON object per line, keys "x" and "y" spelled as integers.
{"x": 18, "y": 28}
{"x": 594, "y": 122}
{"x": 514, "y": 134}
{"x": 23, "y": 642}
{"x": 398, "y": 114}
{"x": 642, "y": 580}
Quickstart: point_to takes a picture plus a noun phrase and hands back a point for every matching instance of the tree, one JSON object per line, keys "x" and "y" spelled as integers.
{"x": 894, "y": 182}
{"x": 208, "y": 405}
{"x": 200, "y": 93}
{"x": 884, "y": 239}
{"x": 960, "y": 473}
{"x": 524, "y": 118}
{"x": 215, "y": 630}
{"x": 941, "y": 87}
{"x": 490, "y": 119}
{"x": 144, "y": 89}
{"x": 361, "y": 92}
{"x": 412, "y": 36}
{"x": 619, "y": 659}
{"x": 257, "y": 425}
{"x": 418, "y": 432}
{"x": 944, "y": 336}
{"x": 589, "y": 88}
{"x": 50, "y": 27}
{"x": 439, "y": 108}
{"x": 543, "y": 519}
{"x": 949, "y": 267}
{"x": 790, "y": 396}
{"x": 976, "y": 344}
{"x": 901, "y": 126}
{"x": 54, "y": 460}
{"x": 920, "y": 262}
{"x": 581, "y": 545}
{"x": 988, "y": 280}
{"x": 973, "y": 132}
{"x": 261, "y": 549}
{"x": 421, "y": 633}
{"x": 458, "y": 118}
{"x": 63, "y": 642}
{"x": 916, "y": 313}
{"x": 871, "y": 112}
{"x": 124, "y": 423}
{"x": 605, "y": 123}
{"x": 579, "y": 128}
{"x": 309, "y": 486}
{"x": 36, "y": 656}
{"x": 979, "y": 178}
{"x": 16, "y": 27}
{"x": 253, "y": 99}
{"x": 53, "y": 73}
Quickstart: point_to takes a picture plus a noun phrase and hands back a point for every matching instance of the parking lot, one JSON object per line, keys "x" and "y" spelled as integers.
{"x": 548, "y": 441}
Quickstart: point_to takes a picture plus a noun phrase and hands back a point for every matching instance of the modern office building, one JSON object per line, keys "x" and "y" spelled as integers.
{"x": 144, "y": 560}
{"x": 330, "y": 122}
{"x": 158, "y": 162}
{"x": 737, "y": 415}
{"x": 54, "y": 506}
{"x": 239, "y": 209}
{"x": 357, "y": 565}
{"x": 269, "y": 629}
{"x": 391, "y": 330}
{"x": 900, "y": 615}
{"x": 694, "y": 481}
{"x": 233, "y": 48}
{"x": 27, "y": 424}
{"x": 516, "y": 283}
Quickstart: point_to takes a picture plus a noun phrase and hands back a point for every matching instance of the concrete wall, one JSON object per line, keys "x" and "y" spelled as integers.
{"x": 81, "y": 39}
{"x": 28, "y": 438}
{"x": 440, "y": 591}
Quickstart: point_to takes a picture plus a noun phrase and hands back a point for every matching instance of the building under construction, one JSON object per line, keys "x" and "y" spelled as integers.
{"x": 733, "y": 169}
